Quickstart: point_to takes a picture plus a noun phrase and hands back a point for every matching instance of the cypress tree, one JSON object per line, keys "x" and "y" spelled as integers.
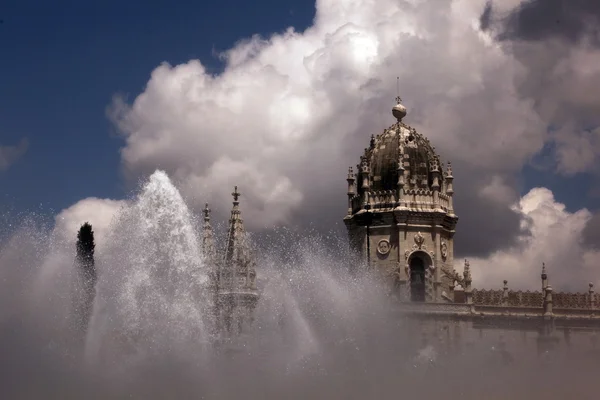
{"x": 85, "y": 253}
{"x": 87, "y": 273}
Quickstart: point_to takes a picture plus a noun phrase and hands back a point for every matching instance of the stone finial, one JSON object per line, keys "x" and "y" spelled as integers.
{"x": 350, "y": 173}
{"x": 544, "y": 275}
{"x": 236, "y": 195}
{"x": 398, "y": 111}
{"x": 449, "y": 170}
{"x": 372, "y": 142}
{"x": 467, "y": 270}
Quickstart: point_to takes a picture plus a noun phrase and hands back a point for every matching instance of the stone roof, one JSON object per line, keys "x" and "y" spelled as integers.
{"x": 386, "y": 148}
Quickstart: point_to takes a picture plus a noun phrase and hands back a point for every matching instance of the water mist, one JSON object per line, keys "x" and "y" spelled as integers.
{"x": 319, "y": 331}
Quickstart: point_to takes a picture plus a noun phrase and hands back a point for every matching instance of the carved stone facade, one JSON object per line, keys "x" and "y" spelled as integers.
{"x": 401, "y": 223}
{"x": 233, "y": 276}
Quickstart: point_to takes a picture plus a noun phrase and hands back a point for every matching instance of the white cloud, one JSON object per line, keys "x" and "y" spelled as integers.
{"x": 10, "y": 154}
{"x": 98, "y": 212}
{"x": 289, "y": 113}
{"x": 556, "y": 239}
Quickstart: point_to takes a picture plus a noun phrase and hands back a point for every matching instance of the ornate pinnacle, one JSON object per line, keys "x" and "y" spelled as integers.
{"x": 544, "y": 275}
{"x": 236, "y": 195}
{"x": 398, "y": 99}
{"x": 206, "y": 212}
{"x": 467, "y": 270}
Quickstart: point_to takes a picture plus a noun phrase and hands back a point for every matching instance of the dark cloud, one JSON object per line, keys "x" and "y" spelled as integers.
{"x": 558, "y": 44}
{"x": 484, "y": 225}
{"x": 570, "y": 20}
{"x": 486, "y": 17}
{"x": 591, "y": 233}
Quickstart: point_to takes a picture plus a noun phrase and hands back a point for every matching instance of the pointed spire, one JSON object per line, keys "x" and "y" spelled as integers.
{"x": 237, "y": 275}
{"x": 236, "y": 231}
{"x": 544, "y": 275}
{"x": 544, "y": 279}
{"x": 208, "y": 238}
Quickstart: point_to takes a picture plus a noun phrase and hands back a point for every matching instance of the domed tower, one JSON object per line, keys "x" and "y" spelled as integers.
{"x": 400, "y": 216}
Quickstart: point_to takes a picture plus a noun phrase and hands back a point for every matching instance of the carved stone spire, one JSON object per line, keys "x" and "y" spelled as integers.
{"x": 236, "y": 231}
{"x": 237, "y": 287}
{"x": 238, "y": 259}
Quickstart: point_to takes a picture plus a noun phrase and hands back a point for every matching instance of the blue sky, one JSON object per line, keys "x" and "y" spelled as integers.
{"x": 63, "y": 61}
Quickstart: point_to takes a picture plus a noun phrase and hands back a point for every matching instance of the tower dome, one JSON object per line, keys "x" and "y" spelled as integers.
{"x": 402, "y": 142}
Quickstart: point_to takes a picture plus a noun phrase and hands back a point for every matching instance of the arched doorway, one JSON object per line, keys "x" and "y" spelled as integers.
{"x": 417, "y": 279}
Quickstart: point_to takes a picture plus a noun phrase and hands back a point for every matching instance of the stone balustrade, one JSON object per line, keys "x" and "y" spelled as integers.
{"x": 414, "y": 199}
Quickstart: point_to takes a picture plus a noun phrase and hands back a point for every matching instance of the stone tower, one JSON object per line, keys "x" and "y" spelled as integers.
{"x": 237, "y": 295}
{"x": 400, "y": 216}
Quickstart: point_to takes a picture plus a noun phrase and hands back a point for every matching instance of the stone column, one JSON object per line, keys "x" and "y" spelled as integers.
{"x": 435, "y": 186}
{"x": 450, "y": 188}
{"x": 505, "y": 293}
{"x": 437, "y": 264}
{"x": 548, "y": 302}
{"x": 468, "y": 281}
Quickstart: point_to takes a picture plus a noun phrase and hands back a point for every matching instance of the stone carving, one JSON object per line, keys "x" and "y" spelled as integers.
{"x": 407, "y": 254}
{"x": 444, "y": 249}
{"x": 419, "y": 240}
{"x": 383, "y": 247}
{"x": 431, "y": 266}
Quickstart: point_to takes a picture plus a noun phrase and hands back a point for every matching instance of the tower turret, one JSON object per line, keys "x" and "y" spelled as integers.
{"x": 400, "y": 218}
